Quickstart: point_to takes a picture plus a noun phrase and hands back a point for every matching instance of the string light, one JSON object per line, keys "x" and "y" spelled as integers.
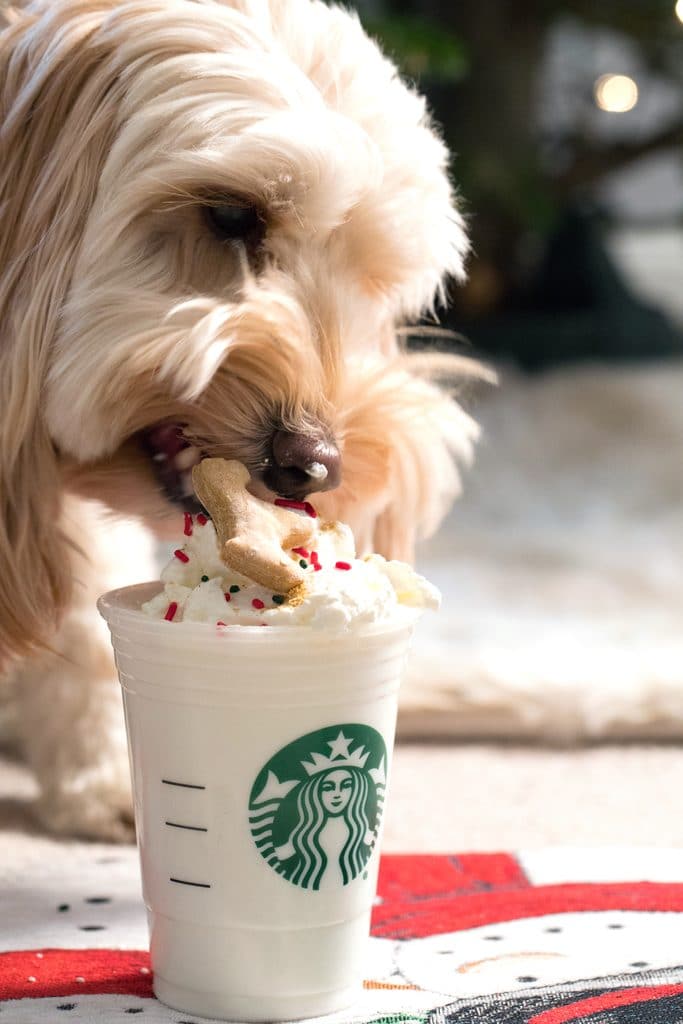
{"x": 617, "y": 93}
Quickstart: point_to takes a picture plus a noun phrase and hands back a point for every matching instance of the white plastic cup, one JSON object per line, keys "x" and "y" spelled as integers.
{"x": 260, "y": 759}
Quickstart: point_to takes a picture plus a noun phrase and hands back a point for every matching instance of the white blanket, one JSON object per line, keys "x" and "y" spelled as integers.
{"x": 562, "y": 566}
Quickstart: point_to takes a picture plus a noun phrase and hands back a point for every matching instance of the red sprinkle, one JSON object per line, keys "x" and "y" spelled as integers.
{"x": 314, "y": 557}
{"x": 181, "y": 556}
{"x": 227, "y": 597}
{"x": 170, "y": 611}
{"x": 257, "y": 603}
{"x": 302, "y": 506}
{"x": 317, "y": 566}
{"x": 188, "y": 525}
{"x": 201, "y": 519}
{"x": 342, "y": 565}
{"x": 301, "y": 551}
{"x": 219, "y": 623}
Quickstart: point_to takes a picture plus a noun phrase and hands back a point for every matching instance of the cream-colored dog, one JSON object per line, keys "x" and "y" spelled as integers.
{"x": 217, "y": 217}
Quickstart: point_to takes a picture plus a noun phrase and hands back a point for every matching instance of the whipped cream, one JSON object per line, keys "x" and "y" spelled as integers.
{"x": 341, "y": 590}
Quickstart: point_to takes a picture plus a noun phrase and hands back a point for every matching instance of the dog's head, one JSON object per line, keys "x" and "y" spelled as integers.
{"x": 216, "y": 217}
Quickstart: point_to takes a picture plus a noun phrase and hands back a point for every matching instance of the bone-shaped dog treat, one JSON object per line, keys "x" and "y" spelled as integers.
{"x": 253, "y": 535}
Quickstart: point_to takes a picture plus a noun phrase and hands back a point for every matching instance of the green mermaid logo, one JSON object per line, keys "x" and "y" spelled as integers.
{"x": 316, "y": 807}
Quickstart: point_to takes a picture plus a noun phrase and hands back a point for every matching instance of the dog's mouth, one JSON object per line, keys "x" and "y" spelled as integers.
{"x": 293, "y": 466}
{"x": 172, "y": 457}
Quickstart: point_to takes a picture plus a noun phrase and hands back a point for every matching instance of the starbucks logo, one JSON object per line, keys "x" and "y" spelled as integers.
{"x": 316, "y": 807}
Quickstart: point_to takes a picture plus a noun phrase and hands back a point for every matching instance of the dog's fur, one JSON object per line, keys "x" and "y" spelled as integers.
{"x": 120, "y": 120}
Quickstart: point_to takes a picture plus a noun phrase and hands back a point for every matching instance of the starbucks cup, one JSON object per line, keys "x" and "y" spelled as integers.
{"x": 260, "y": 759}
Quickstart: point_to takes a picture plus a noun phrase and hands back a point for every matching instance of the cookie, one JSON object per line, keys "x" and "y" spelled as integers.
{"x": 254, "y": 536}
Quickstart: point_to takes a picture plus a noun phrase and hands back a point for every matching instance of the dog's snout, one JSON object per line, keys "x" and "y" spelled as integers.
{"x": 302, "y": 463}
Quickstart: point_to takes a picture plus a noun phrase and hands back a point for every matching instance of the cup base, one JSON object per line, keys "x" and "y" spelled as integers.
{"x": 247, "y": 1009}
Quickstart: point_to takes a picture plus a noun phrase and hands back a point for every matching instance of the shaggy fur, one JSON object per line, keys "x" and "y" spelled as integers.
{"x": 121, "y": 122}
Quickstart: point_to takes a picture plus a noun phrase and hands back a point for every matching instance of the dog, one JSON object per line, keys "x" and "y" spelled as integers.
{"x": 219, "y": 219}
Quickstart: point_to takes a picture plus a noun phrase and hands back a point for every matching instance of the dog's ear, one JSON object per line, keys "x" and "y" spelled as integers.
{"x": 57, "y": 116}
{"x": 35, "y": 579}
{"x": 432, "y": 439}
{"x": 405, "y": 439}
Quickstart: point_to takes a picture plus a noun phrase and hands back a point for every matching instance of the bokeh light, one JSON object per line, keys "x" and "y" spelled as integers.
{"x": 679, "y": 10}
{"x": 616, "y": 93}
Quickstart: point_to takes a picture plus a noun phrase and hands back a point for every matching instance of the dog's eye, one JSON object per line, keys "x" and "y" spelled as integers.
{"x": 233, "y": 222}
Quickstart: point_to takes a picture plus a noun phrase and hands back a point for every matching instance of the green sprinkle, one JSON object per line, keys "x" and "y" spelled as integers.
{"x": 205, "y": 579}
{"x": 234, "y": 589}
{"x": 278, "y": 599}
{"x": 303, "y": 563}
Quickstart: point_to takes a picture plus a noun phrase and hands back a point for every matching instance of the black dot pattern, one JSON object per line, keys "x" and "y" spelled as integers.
{"x": 553, "y": 930}
{"x": 101, "y": 900}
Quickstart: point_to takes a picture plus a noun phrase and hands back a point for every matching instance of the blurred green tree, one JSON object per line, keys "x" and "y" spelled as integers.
{"x": 479, "y": 61}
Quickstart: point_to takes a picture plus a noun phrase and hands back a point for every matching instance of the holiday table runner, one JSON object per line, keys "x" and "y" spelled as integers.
{"x": 539, "y": 937}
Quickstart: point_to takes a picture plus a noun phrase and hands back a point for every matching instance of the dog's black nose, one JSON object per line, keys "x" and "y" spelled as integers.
{"x": 302, "y": 463}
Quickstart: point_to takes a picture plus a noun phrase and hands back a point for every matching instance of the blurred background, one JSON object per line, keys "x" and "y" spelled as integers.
{"x": 562, "y": 565}
{"x": 565, "y": 121}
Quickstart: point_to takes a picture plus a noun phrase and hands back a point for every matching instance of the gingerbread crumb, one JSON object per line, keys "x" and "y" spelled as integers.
{"x": 297, "y": 595}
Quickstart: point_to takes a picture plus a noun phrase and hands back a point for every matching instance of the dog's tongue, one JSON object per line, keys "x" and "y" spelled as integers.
{"x": 167, "y": 439}
{"x": 166, "y": 446}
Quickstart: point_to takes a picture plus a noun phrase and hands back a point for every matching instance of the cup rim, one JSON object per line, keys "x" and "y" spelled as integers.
{"x": 115, "y": 607}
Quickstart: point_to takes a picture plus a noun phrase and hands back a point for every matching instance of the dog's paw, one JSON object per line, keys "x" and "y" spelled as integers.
{"x": 94, "y": 806}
